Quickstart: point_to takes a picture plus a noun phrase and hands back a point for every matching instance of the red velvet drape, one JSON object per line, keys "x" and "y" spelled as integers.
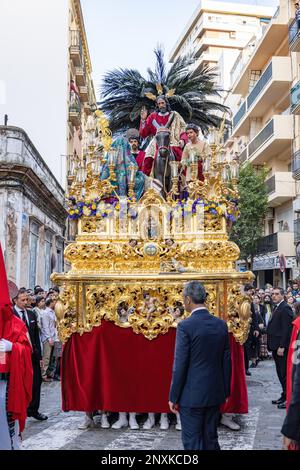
{"x": 114, "y": 369}
{"x": 238, "y": 400}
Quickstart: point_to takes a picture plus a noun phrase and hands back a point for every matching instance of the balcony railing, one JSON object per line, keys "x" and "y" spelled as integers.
{"x": 260, "y": 85}
{"x": 75, "y": 38}
{"x": 75, "y": 103}
{"x": 268, "y": 244}
{"x": 238, "y": 116}
{"x": 270, "y": 184}
{"x": 276, "y": 12}
{"x": 261, "y": 138}
{"x": 297, "y": 230}
{"x": 255, "y": 92}
{"x": 293, "y": 31}
{"x": 76, "y": 47}
{"x": 296, "y": 165}
{"x": 295, "y": 96}
{"x": 243, "y": 156}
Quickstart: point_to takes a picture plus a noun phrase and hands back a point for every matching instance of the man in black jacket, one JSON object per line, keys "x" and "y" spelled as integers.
{"x": 201, "y": 371}
{"x": 279, "y": 334}
{"x": 254, "y": 329}
{"x": 30, "y": 319}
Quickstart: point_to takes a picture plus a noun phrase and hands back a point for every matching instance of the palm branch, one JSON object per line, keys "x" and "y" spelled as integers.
{"x": 195, "y": 97}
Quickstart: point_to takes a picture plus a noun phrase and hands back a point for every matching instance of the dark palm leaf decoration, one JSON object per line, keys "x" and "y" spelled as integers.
{"x": 192, "y": 93}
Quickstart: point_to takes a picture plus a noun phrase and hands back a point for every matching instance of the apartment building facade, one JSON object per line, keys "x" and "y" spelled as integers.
{"x": 81, "y": 97}
{"x": 45, "y": 84}
{"x": 265, "y": 132}
{"x": 218, "y": 31}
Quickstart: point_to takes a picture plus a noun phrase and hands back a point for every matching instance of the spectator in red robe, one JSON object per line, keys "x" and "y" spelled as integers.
{"x": 291, "y": 425}
{"x": 15, "y": 369}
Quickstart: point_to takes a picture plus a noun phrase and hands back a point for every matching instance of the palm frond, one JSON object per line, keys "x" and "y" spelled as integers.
{"x": 195, "y": 94}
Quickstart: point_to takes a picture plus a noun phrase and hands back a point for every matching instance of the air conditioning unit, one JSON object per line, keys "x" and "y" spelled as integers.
{"x": 270, "y": 213}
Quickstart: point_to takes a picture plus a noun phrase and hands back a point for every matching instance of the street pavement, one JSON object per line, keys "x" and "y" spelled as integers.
{"x": 260, "y": 428}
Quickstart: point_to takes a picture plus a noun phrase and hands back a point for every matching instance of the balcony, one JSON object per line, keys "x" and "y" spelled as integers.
{"x": 296, "y": 165}
{"x": 272, "y": 140}
{"x": 80, "y": 75}
{"x": 202, "y": 44}
{"x": 280, "y": 188}
{"x": 239, "y": 115}
{"x": 273, "y": 37}
{"x": 267, "y": 244}
{"x": 75, "y": 110}
{"x": 272, "y": 86}
{"x": 87, "y": 108}
{"x": 280, "y": 242}
{"x": 75, "y": 48}
{"x": 297, "y": 230}
{"x": 206, "y": 58}
{"x": 294, "y": 37}
{"x": 84, "y": 93}
{"x": 243, "y": 156}
{"x": 295, "y": 99}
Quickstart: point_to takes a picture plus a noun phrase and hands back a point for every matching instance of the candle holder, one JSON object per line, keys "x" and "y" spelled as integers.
{"x": 131, "y": 191}
{"x": 111, "y": 165}
{"x": 194, "y": 171}
{"x": 132, "y": 173}
{"x": 225, "y": 174}
{"x": 175, "y": 179}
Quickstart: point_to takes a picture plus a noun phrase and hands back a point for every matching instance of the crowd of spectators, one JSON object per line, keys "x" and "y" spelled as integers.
{"x": 42, "y": 303}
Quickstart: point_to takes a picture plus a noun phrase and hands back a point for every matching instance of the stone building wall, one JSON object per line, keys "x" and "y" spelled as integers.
{"x": 32, "y": 210}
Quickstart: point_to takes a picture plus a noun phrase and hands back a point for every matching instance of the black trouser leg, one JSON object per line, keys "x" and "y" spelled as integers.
{"x": 36, "y": 388}
{"x": 280, "y": 363}
{"x": 246, "y": 356}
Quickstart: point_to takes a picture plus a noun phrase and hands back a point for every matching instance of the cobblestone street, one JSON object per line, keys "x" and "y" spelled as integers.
{"x": 260, "y": 429}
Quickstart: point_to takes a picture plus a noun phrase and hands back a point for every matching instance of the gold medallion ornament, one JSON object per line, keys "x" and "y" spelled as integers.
{"x": 131, "y": 260}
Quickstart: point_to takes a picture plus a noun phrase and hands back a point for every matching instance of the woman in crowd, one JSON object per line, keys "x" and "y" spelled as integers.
{"x": 266, "y": 316}
{"x": 39, "y": 309}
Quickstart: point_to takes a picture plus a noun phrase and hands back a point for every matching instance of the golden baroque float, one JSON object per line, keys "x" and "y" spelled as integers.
{"x": 130, "y": 261}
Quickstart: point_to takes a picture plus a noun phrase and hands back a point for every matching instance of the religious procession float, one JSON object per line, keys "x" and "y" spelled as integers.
{"x": 141, "y": 235}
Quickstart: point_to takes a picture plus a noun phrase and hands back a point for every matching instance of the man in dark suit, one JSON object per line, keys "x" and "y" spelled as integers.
{"x": 30, "y": 319}
{"x": 201, "y": 371}
{"x": 278, "y": 336}
{"x": 254, "y": 329}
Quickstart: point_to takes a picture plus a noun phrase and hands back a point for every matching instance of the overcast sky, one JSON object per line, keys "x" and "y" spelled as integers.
{"x": 124, "y": 33}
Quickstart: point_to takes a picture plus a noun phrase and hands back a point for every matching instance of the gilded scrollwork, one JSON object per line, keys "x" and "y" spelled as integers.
{"x": 132, "y": 270}
{"x": 145, "y": 305}
{"x": 239, "y": 314}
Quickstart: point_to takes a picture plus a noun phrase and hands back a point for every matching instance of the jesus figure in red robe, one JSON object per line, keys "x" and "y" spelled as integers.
{"x": 160, "y": 118}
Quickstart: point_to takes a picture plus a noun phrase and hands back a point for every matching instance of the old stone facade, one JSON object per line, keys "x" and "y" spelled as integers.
{"x": 32, "y": 212}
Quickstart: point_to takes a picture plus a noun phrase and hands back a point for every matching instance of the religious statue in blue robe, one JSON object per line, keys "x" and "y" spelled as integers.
{"x": 124, "y": 159}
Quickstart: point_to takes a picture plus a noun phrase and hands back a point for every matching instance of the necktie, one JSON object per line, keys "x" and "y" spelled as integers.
{"x": 24, "y": 317}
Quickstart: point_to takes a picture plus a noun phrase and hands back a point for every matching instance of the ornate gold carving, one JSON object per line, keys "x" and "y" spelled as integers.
{"x": 131, "y": 269}
{"x": 86, "y": 302}
{"x": 239, "y": 314}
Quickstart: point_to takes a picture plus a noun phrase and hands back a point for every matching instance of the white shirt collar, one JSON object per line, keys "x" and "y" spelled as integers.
{"x": 19, "y": 312}
{"x": 198, "y": 308}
